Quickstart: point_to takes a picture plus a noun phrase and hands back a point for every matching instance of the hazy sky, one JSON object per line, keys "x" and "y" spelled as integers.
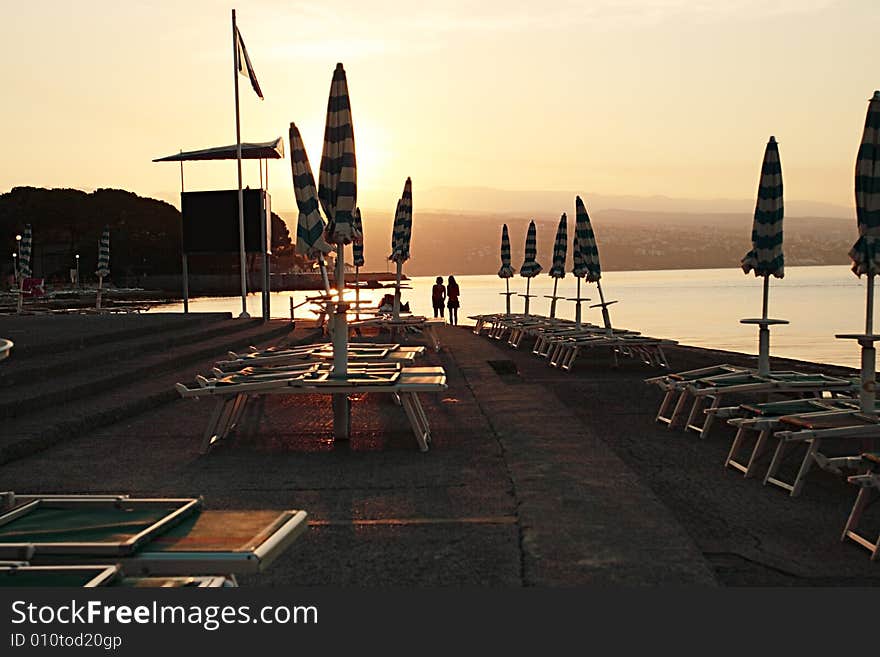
{"x": 645, "y": 97}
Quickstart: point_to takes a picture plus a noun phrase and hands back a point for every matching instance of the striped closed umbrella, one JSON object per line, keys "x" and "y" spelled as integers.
{"x": 560, "y": 249}
{"x": 26, "y": 247}
{"x": 766, "y": 258}
{"x": 586, "y": 253}
{"x": 530, "y": 267}
{"x": 310, "y": 225}
{"x": 337, "y": 184}
{"x": 401, "y": 233}
{"x": 557, "y": 269}
{"x": 357, "y": 257}
{"x": 506, "y": 270}
{"x": 357, "y": 249}
{"x": 865, "y": 253}
{"x": 104, "y": 254}
{"x": 586, "y": 262}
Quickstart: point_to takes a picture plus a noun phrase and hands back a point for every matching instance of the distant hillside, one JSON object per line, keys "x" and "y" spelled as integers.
{"x": 459, "y": 243}
{"x": 144, "y": 232}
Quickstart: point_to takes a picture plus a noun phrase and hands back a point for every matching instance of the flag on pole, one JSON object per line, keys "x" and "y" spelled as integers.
{"x": 245, "y": 67}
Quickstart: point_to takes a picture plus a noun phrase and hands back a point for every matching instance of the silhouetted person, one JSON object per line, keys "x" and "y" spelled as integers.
{"x": 438, "y": 296}
{"x": 453, "y": 293}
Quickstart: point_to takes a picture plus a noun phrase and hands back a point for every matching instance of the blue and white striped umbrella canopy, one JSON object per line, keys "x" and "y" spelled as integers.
{"x": 337, "y": 184}
{"x": 104, "y": 253}
{"x": 766, "y": 258}
{"x": 26, "y": 247}
{"x": 357, "y": 248}
{"x": 865, "y": 253}
{"x": 506, "y": 270}
{"x": 586, "y": 253}
{"x": 530, "y": 267}
{"x": 310, "y": 225}
{"x": 560, "y": 249}
{"x": 401, "y": 234}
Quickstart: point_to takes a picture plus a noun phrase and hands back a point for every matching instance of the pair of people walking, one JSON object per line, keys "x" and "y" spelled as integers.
{"x": 448, "y": 294}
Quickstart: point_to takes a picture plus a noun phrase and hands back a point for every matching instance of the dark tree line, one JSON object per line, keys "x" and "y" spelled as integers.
{"x": 144, "y": 232}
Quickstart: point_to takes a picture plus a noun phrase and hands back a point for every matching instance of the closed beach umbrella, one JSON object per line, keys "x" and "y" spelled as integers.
{"x": 560, "y": 251}
{"x": 310, "y": 225}
{"x": 26, "y": 248}
{"x": 401, "y": 235}
{"x": 104, "y": 254}
{"x": 506, "y": 272}
{"x": 865, "y": 253}
{"x": 530, "y": 267}
{"x": 337, "y": 192}
{"x": 103, "y": 263}
{"x": 586, "y": 260}
{"x": 337, "y": 185}
{"x": 357, "y": 258}
{"x": 357, "y": 249}
{"x": 766, "y": 258}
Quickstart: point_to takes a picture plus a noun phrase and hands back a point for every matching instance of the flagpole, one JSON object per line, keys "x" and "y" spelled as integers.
{"x": 241, "y": 254}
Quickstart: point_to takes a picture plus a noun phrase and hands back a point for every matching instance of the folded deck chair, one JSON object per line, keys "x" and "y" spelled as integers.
{"x": 675, "y": 388}
{"x": 233, "y": 391}
{"x": 763, "y": 420}
{"x": 812, "y": 430}
{"x": 522, "y": 329}
{"x": 648, "y": 350}
{"x": 716, "y": 389}
{"x": 554, "y": 344}
{"x": 869, "y": 485}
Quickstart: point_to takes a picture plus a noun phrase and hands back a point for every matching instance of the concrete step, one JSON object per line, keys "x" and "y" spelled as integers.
{"x": 37, "y": 367}
{"x": 41, "y": 396}
{"x": 26, "y": 435}
{"x": 62, "y": 333}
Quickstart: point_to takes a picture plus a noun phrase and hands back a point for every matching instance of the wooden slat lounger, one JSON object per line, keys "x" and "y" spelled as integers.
{"x": 716, "y": 389}
{"x": 763, "y": 420}
{"x": 869, "y": 485}
{"x": 813, "y": 429}
{"x": 233, "y": 392}
{"x": 675, "y": 388}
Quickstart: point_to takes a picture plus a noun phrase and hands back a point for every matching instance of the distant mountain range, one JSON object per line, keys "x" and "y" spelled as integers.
{"x": 468, "y": 243}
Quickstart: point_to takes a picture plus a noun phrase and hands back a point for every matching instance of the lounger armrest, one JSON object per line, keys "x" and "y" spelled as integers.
{"x": 870, "y": 480}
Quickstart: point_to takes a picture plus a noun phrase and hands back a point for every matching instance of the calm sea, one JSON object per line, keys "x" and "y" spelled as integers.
{"x": 696, "y": 307}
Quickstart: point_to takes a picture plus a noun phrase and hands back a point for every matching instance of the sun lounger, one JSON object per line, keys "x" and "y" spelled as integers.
{"x": 95, "y": 527}
{"x": 82, "y": 576}
{"x": 812, "y": 430}
{"x": 716, "y": 389}
{"x": 869, "y": 485}
{"x": 648, "y": 350}
{"x": 675, "y": 388}
{"x": 764, "y": 419}
{"x": 400, "y": 326}
{"x": 232, "y": 392}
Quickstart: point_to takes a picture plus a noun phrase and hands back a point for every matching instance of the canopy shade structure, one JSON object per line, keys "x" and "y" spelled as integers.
{"x": 267, "y": 150}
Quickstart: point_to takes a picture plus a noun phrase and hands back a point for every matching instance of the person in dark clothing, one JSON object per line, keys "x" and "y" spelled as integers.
{"x": 453, "y": 294}
{"x": 438, "y": 296}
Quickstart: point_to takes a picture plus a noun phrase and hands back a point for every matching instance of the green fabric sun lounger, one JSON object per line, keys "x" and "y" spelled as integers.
{"x": 812, "y": 430}
{"x": 148, "y": 537}
{"x": 675, "y": 388}
{"x": 716, "y": 389}
{"x": 869, "y": 486}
